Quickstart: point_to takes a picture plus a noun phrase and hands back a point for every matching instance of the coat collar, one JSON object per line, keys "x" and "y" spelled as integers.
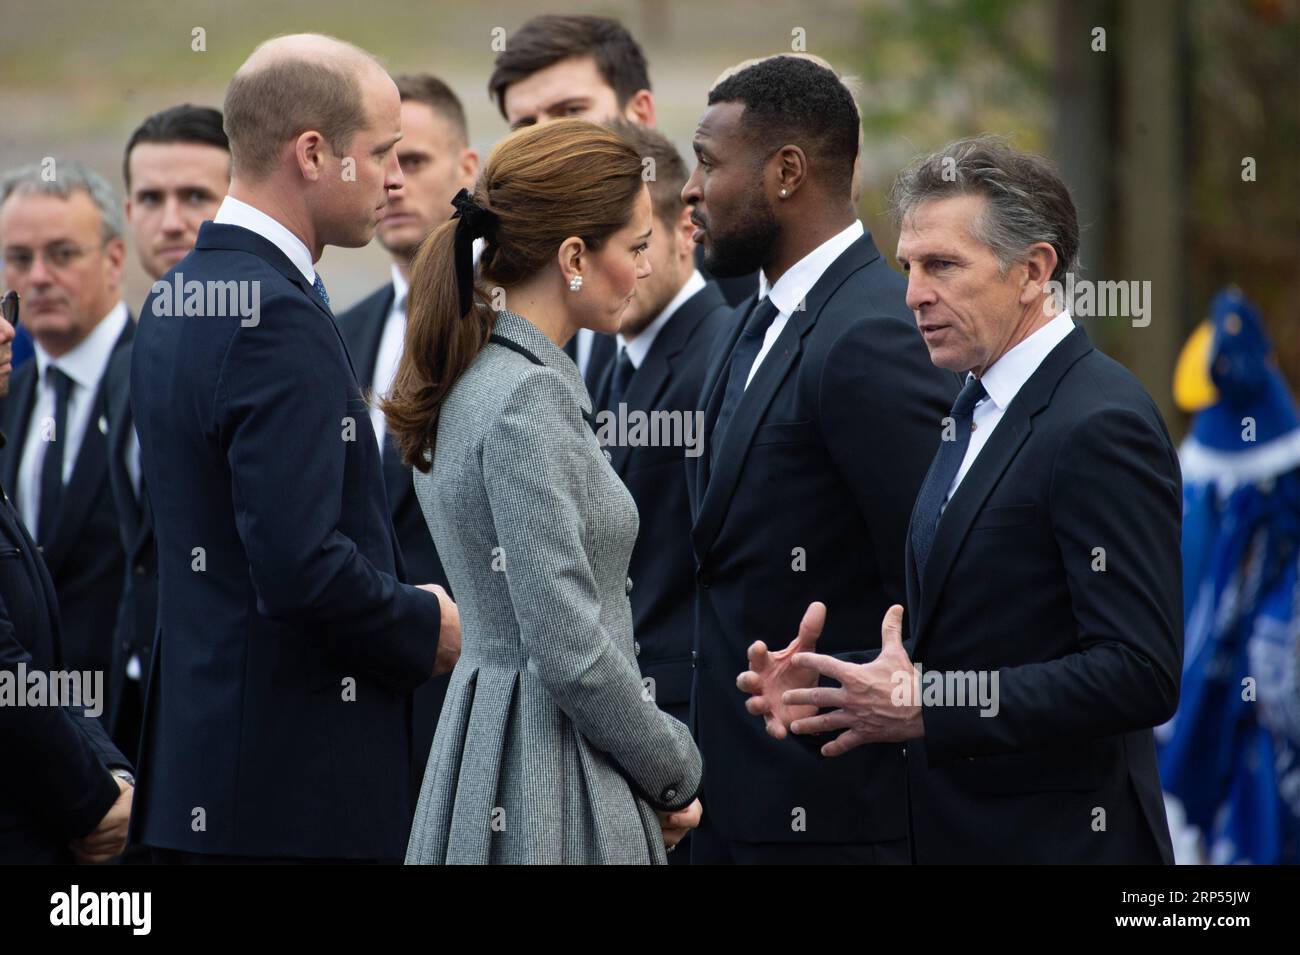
{"x": 514, "y": 327}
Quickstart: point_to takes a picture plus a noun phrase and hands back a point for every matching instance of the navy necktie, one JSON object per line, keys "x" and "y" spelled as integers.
{"x": 944, "y": 467}
{"x": 743, "y": 354}
{"x": 616, "y": 381}
{"x": 319, "y": 286}
{"x": 52, "y": 465}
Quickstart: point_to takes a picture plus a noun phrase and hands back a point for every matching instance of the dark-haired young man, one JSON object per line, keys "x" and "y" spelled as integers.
{"x": 177, "y": 170}
{"x": 821, "y": 410}
{"x": 436, "y": 162}
{"x": 591, "y": 68}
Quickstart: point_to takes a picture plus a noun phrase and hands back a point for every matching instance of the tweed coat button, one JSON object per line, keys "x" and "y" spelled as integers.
{"x": 668, "y": 795}
{"x": 636, "y": 647}
{"x": 629, "y": 586}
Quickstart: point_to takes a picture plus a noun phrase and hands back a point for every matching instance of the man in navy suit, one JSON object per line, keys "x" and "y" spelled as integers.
{"x": 437, "y": 162}
{"x": 277, "y": 718}
{"x": 177, "y": 171}
{"x": 821, "y": 409}
{"x": 68, "y": 789}
{"x": 63, "y": 254}
{"x": 1044, "y": 578}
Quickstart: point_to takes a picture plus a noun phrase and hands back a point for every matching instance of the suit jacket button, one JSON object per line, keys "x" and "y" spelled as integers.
{"x": 629, "y": 586}
{"x": 668, "y": 795}
{"x": 40, "y": 548}
{"x": 139, "y": 569}
{"x": 695, "y": 658}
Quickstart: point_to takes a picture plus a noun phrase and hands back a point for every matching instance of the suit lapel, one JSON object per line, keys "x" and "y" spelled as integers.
{"x": 120, "y": 429}
{"x": 19, "y": 414}
{"x": 1003, "y": 445}
{"x": 718, "y": 487}
{"x": 713, "y": 391}
{"x": 652, "y": 378}
{"x": 369, "y": 335}
{"x": 89, "y": 474}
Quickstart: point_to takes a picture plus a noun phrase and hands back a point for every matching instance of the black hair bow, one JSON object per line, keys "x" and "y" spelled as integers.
{"x": 473, "y": 222}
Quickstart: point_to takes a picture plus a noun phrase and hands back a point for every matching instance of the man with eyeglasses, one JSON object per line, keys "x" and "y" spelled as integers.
{"x": 61, "y": 237}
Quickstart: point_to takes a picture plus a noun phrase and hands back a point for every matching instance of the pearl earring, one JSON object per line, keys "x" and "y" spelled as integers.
{"x": 575, "y": 283}
{"x": 782, "y": 192}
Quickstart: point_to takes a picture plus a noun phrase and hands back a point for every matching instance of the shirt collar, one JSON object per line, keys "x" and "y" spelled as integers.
{"x": 1006, "y": 376}
{"x": 400, "y": 288}
{"x": 797, "y": 281}
{"x": 639, "y": 347}
{"x": 85, "y": 363}
{"x": 234, "y": 212}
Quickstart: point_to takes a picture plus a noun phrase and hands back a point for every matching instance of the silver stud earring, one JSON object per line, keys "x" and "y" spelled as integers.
{"x": 782, "y": 192}
{"x": 575, "y": 283}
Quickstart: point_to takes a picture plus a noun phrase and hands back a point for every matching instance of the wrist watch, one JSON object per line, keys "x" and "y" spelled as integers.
{"x": 125, "y": 776}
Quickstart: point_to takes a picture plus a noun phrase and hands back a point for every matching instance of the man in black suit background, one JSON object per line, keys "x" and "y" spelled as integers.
{"x": 62, "y": 231}
{"x": 820, "y": 413}
{"x": 67, "y": 793}
{"x": 1044, "y": 578}
{"x": 657, "y": 373}
{"x": 588, "y": 67}
{"x": 177, "y": 169}
{"x": 436, "y": 162}
{"x": 277, "y": 721}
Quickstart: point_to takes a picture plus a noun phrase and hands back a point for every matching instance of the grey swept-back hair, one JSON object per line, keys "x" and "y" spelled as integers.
{"x": 1027, "y": 201}
{"x": 69, "y": 176}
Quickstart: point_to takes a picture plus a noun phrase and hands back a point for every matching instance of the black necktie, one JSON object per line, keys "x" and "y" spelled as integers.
{"x": 52, "y": 465}
{"x": 944, "y": 467}
{"x": 743, "y": 354}
{"x": 616, "y": 381}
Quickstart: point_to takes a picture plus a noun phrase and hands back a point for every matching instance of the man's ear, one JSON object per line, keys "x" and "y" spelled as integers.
{"x": 682, "y": 235}
{"x": 308, "y": 150}
{"x": 640, "y": 109}
{"x": 1040, "y": 262}
{"x": 469, "y": 167}
{"x": 791, "y": 170}
{"x": 114, "y": 260}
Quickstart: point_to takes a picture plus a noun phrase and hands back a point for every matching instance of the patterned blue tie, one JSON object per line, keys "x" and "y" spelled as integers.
{"x": 319, "y": 286}
{"x": 944, "y": 467}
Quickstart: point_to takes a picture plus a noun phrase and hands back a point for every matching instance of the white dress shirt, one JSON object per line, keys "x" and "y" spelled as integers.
{"x": 639, "y": 347}
{"x": 791, "y": 288}
{"x": 85, "y": 365}
{"x": 1003, "y": 381}
{"x": 389, "y": 353}
{"x": 234, "y": 212}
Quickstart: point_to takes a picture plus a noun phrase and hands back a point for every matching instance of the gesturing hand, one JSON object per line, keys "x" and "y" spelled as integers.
{"x": 109, "y": 837}
{"x": 770, "y": 675}
{"x": 869, "y": 707}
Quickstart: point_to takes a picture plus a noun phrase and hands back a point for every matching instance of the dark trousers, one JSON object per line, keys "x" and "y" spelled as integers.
{"x": 710, "y": 847}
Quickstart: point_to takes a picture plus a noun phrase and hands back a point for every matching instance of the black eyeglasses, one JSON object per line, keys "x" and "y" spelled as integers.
{"x": 9, "y": 308}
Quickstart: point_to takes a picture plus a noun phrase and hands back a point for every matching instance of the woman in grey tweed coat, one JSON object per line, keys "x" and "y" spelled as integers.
{"x": 548, "y": 748}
